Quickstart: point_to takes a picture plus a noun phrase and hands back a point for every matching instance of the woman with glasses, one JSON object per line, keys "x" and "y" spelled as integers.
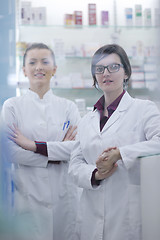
{"x": 105, "y": 162}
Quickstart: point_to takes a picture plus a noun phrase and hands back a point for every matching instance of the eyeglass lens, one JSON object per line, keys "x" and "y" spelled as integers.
{"x": 111, "y": 68}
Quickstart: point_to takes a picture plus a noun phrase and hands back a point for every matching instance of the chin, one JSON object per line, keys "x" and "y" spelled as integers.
{"x": 107, "y": 89}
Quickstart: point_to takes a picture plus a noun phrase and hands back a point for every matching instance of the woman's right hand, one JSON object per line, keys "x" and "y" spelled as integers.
{"x": 17, "y": 137}
{"x": 102, "y": 176}
{"x": 71, "y": 134}
{"x": 106, "y": 163}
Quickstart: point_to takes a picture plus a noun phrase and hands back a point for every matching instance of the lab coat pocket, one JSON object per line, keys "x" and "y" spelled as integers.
{"x": 135, "y": 211}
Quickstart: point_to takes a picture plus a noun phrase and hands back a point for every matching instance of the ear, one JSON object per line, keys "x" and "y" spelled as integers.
{"x": 54, "y": 70}
{"x": 24, "y": 71}
{"x": 125, "y": 76}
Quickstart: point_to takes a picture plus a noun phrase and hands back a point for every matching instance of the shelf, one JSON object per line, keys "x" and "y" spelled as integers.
{"x": 77, "y": 57}
{"x": 91, "y": 26}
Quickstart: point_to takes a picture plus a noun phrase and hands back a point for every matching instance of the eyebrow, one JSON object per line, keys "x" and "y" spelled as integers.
{"x": 36, "y": 58}
{"x": 108, "y": 64}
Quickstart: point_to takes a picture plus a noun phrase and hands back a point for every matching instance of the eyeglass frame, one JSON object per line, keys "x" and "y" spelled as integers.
{"x": 104, "y": 67}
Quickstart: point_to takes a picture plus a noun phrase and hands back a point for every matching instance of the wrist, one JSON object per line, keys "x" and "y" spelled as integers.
{"x": 116, "y": 157}
{"x": 98, "y": 177}
{"x": 118, "y": 154}
{"x": 32, "y": 146}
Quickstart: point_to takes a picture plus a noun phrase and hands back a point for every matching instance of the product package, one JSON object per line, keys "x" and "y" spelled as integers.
{"x": 104, "y": 18}
{"x": 69, "y": 20}
{"x": 78, "y": 18}
{"x": 25, "y": 15}
{"x": 92, "y": 14}
{"x": 138, "y": 15}
{"x": 129, "y": 16}
{"x": 38, "y": 16}
{"x": 147, "y": 17}
{"x": 157, "y": 17}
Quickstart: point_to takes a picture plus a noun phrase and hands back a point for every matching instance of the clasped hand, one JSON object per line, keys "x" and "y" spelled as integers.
{"x": 106, "y": 163}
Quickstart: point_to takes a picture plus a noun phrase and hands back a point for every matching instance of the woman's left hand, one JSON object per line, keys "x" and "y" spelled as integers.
{"x": 71, "y": 134}
{"x": 17, "y": 137}
{"x": 107, "y": 160}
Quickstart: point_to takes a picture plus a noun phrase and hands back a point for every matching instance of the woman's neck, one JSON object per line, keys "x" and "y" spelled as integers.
{"x": 110, "y": 97}
{"x": 41, "y": 91}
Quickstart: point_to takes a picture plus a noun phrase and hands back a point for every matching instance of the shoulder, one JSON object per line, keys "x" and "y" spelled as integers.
{"x": 146, "y": 107}
{"x": 145, "y": 102}
{"x": 138, "y": 102}
{"x": 11, "y": 101}
{"x": 9, "y": 108}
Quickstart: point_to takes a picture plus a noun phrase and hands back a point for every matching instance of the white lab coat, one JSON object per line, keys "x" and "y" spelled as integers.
{"x": 111, "y": 211}
{"x": 45, "y": 197}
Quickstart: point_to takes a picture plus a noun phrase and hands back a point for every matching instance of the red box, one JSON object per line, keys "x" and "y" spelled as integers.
{"x": 78, "y": 18}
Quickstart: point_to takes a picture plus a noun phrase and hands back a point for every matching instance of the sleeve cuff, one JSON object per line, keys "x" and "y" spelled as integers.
{"x": 95, "y": 182}
{"x": 41, "y": 148}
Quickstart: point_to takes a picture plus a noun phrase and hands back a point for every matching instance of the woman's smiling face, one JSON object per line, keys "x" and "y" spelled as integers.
{"x": 39, "y": 67}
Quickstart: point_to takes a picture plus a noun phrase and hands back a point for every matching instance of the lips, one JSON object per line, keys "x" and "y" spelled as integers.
{"x": 107, "y": 81}
{"x": 39, "y": 74}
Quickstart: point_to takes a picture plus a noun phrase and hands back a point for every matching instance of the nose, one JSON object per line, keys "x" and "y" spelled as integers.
{"x": 39, "y": 66}
{"x": 106, "y": 72}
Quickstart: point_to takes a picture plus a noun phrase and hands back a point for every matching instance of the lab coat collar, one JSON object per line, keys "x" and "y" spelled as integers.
{"x": 34, "y": 95}
{"x": 123, "y": 106}
{"x": 125, "y": 102}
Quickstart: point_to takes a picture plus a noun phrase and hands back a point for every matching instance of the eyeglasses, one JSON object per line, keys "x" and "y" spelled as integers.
{"x": 112, "y": 68}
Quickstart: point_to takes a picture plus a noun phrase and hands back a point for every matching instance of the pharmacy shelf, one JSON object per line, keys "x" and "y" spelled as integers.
{"x": 90, "y": 26}
{"x": 74, "y": 47}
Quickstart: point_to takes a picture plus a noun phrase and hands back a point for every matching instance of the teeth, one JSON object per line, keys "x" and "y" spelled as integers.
{"x": 107, "y": 81}
{"x": 39, "y": 74}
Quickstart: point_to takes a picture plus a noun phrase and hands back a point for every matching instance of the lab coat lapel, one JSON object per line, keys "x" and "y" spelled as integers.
{"x": 95, "y": 121}
{"x": 115, "y": 116}
{"x": 121, "y": 109}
